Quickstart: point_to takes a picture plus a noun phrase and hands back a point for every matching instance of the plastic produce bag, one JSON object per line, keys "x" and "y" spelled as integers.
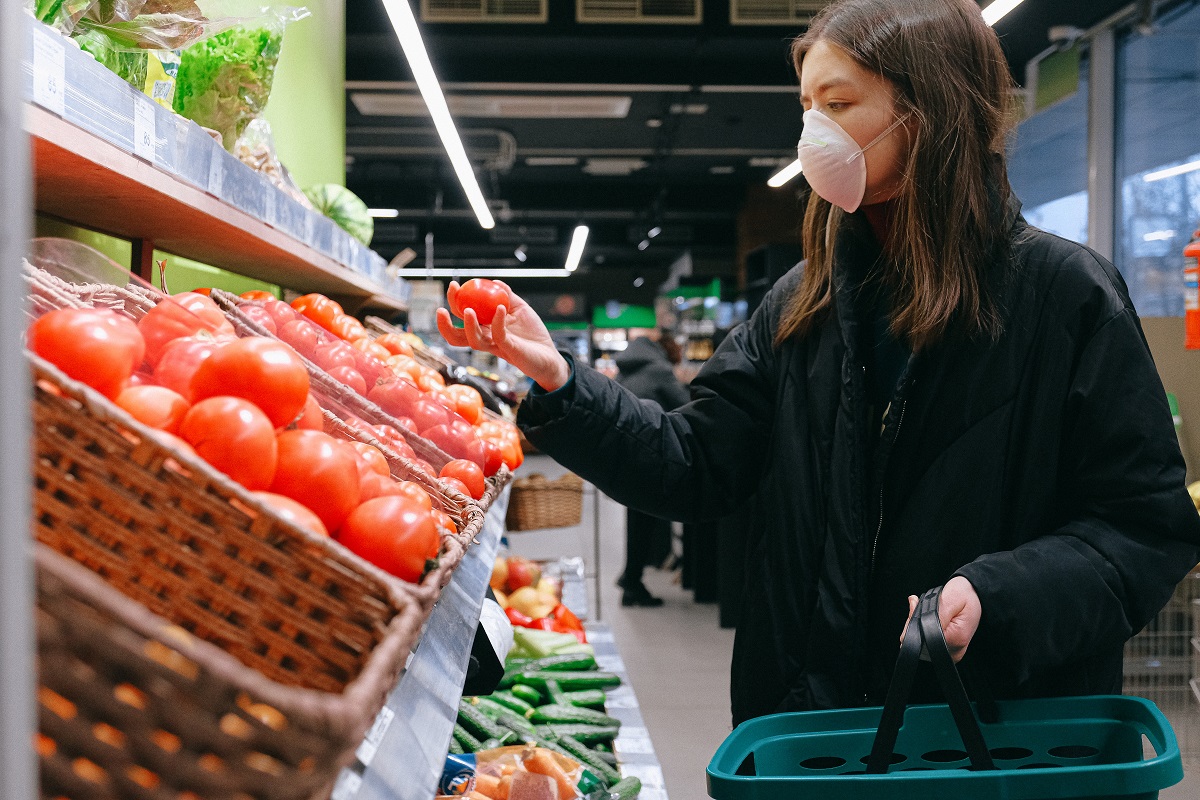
{"x": 224, "y": 81}
{"x": 256, "y": 149}
{"x": 62, "y": 15}
{"x": 345, "y": 208}
{"x": 131, "y": 66}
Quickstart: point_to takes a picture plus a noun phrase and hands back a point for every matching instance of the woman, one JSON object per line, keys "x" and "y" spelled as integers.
{"x": 940, "y": 394}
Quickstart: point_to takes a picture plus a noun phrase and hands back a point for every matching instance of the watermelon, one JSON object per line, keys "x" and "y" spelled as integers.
{"x": 343, "y": 207}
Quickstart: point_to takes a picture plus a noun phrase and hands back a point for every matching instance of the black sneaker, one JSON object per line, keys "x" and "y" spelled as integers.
{"x": 640, "y": 596}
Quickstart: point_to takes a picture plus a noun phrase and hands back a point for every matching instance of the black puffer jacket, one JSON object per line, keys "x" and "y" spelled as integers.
{"x": 646, "y": 371}
{"x": 1043, "y": 467}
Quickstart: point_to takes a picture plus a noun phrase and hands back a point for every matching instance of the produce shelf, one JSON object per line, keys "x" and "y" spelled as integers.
{"x": 109, "y": 159}
{"x": 403, "y": 754}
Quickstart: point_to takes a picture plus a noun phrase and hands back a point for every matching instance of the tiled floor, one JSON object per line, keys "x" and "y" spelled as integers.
{"x": 678, "y": 657}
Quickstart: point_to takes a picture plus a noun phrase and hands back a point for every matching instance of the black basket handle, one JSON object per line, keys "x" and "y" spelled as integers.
{"x": 923, "y": 638}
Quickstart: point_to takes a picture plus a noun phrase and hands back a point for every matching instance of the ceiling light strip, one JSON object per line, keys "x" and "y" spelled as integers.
{"x": 501, "y": 272}
{"x": 575, "y": 253}
{"x": 1171, "y": 172}
{"x": 784, "y": 175}
{"x": 997, "y": 10}
{"x": 418, "y": 60}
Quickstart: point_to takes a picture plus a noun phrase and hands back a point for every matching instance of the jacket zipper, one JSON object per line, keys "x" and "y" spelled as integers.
{"x": 879, "y": 527}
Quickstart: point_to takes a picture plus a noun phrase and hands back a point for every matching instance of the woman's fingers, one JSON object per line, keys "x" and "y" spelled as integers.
{"x": 477, "y": 335}
{"x": 453, "y": 335}
{"x": 452, "y": 298}
{"x": 500, "y": 328}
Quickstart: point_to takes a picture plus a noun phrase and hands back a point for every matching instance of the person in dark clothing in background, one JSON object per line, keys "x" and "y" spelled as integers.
{"x": 646, "y": 368}
{"x": 939, "y": 395}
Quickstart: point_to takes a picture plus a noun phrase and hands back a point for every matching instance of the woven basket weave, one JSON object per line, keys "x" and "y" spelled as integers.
{"x": 537, "y": 503}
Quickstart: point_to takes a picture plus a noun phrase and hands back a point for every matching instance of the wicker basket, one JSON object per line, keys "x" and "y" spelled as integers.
{"x": 133, "y": 706}
{"x": 536, "y": 502}
{"x": 345, "y": 402}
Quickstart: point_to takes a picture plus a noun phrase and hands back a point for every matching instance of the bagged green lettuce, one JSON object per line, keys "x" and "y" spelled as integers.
{"x": 130, "y": 65}
{"x": 224, "y": 81}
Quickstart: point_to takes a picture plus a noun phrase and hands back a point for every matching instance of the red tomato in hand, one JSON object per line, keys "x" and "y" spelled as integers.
{"x": 393, "y": 534}
{"x": 469, "y": 473}
{"x": 483, "y": 297}
{"x": 302, "y": 335}
{"x": 156, "y": 406}
{"x": 487, "y": 455}
{"x": 312, "y": 418}
{"x": 350, "y": 377}
{"x": 264, "y": 371}
{"x": 98, "y": 347}
{"x": 293, "y": 512}
{"x": 234, "y": 436}
{"x": 319, "y": 471}
{"x": 260, "y": 316}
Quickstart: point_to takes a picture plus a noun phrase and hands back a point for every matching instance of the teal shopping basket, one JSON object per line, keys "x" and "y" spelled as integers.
{"x": 1071, "y": 747}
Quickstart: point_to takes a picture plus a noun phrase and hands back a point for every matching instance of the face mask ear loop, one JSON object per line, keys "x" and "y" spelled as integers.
{"x": 880, "y": 137}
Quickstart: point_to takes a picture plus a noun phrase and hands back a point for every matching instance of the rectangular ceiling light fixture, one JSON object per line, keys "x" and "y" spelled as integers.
{"x": 384, "y": 213}
{"x": 575, "y": 253}
{"x": 501, "y": 272}
{"x": 784, "y": 175}
{"x": 497, "y": 106}
{"x": 1171, "y": 172}
{"x": 998, "y": 9}
{"x": 401, "y": 15}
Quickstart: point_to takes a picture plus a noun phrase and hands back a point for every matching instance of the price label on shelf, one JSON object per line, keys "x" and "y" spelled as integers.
{"x": 143, "y": 129}
{"x": 49, "y": 72}
{"x": 368, "y": 747}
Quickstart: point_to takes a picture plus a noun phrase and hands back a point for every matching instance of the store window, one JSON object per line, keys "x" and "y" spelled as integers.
{"x": 1048, "y": 155}
{"x": 1158, "y": 158}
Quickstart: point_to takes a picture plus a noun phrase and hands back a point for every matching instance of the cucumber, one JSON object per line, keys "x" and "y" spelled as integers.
{"x": 456, "y": 747}
{"x": 587, "y": 698}
{"x": 571, "y": 662}
{"x": 590, "y": 760}
{"x": 479, "y": 724}
{"x": 505, "y": 716}
{"x": 556, "y": 693}
{"x": 605, "y": 755}
{"x": 602, "y": 748}
{"x": 569, "y": 681}
{"x": 468, "y": 742}
{"x": 527, "y": 693}
{"x": 588, "y": 734}
{"x": 626, "y": 789}
{"x": 511, "y": 702}
{"x": 568, "y": 714}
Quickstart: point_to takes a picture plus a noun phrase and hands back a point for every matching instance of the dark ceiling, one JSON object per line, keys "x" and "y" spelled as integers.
{"x": 631, "y": 126}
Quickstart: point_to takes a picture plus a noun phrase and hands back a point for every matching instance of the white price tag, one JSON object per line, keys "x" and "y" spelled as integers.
{"x": 216, "y": 173}
{"x": 143, "y": 129}
{"x": 348, "y": 784}
{"x": 368, "y": 747}
{"x": 49, "y": 72}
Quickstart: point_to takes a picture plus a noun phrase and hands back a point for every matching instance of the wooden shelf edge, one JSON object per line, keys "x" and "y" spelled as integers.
{"x": 90, "y": 182}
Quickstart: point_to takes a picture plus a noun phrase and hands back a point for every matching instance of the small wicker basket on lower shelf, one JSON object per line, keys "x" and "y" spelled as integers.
{"x": 537, "y": 502}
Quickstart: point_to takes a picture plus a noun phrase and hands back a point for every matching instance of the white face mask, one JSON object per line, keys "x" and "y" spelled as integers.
{"x": 832, "y": 161}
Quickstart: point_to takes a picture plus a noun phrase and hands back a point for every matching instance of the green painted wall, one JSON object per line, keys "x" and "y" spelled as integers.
{"x": 307, "y": 109}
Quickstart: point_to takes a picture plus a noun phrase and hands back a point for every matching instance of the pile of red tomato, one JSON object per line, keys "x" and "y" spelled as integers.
{"x": 244, "y": 406}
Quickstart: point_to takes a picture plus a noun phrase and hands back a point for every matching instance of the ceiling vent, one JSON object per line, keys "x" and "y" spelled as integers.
{"x": 483, "y": 10}
{"x": 675, "y": 12}
{"x": 496, "y": 106}
{"x": 774, "y": 12}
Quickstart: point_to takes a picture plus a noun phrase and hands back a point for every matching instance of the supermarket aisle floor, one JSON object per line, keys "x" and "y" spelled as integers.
{"x": 677, "y": 656}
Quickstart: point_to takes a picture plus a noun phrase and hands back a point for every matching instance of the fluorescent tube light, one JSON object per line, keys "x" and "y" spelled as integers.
{"x": 505, "y": 272}
{"x": 409, "y": 35}
{"x": 655, "y": 231}
{"x": 578, "y": 240}
{"x": 996, "y": 11}
{"x": 784, "y": 175}
{"x": 1171, "y": 172}
{"x": 1159, "y": 236}
{"x": 384, "y": 213}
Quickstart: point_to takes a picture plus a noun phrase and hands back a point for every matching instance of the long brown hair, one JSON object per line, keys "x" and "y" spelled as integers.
{"x": 950, "y": 74}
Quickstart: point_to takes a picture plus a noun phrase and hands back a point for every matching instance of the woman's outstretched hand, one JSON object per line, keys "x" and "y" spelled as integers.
{"x": 516, "y": 335}
{"x": 959, "y": 611}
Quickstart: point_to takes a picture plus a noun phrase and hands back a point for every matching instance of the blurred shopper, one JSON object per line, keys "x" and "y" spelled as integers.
{"x": 940, "y": 394}
{"x": 646, "y": 368}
